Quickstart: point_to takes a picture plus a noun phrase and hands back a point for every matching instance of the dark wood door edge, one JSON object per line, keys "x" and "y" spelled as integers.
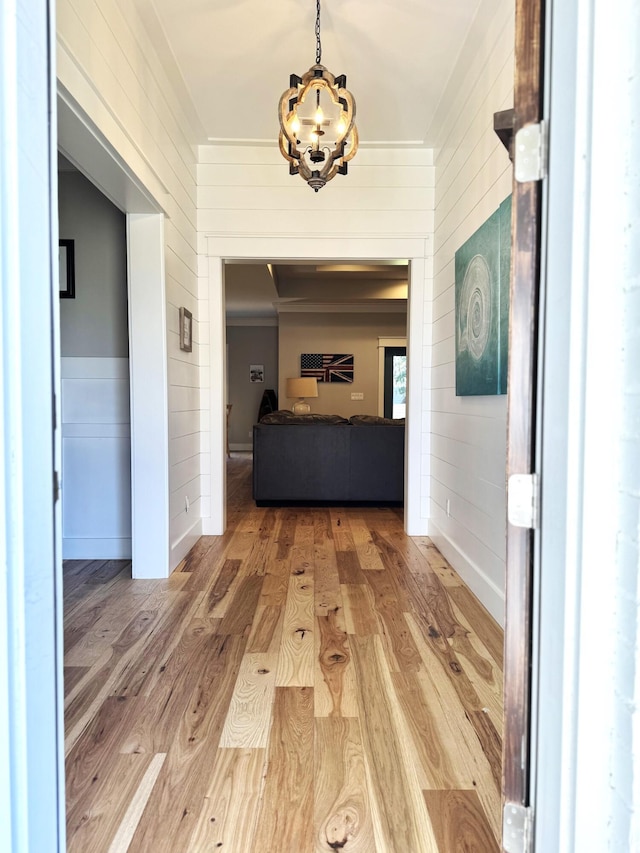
{"x": 521, "y": 420}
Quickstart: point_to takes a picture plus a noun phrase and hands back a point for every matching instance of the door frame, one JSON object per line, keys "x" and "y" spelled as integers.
{"x": 383, "y": 343}
{"x": 581, "y": 776}
{"x": 522, "y": 421}
{"x": 31, "y": 689}
{"x": 324, "y": 249}
{"x": 87, "y": 149}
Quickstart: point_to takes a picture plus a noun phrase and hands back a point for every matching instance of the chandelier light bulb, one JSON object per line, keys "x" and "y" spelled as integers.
{"x": 319, "y": 117}
{"x": 295, "y": 123}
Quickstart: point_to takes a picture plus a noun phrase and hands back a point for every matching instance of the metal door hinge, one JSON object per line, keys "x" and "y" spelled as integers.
{"x": 531, "y": 152}
{"x": 517, "y": 828}
{"x": 56, "y": 487}
{"x": 523, "y": 500}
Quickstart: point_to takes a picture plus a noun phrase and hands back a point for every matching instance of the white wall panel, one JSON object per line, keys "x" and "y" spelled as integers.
{"x": 99, "y": 401}
{"x": 97, "y": 471}
{"x": 410, "y": 197}
{"x": 184, "y": 447}
{"x": 247, "y": 175}
{"x": 184, "y": 399}
{"x": 473, "y": 176}
{"x": 443, "y": 352}
{"x": 191, "y": 490}
{"x": 359, "y": 221}
{"x": 96, "y": 459}
{"x": 265, "y": 156}
{"x": 186, "y": 471}
{"x": 184, "y": 423}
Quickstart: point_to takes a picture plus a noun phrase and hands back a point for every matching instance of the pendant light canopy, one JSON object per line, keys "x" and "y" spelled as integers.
{"x": 318, "y": 135}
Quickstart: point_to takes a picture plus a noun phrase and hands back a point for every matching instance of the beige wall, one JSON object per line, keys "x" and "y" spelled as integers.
{"x": 337, "y": 333}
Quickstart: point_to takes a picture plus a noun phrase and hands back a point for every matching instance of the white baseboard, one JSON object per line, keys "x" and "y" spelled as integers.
{"x": 240, "y": 447}
{"x": 96, "y": 549}
{"x": 181, "y": 548}
{"x": 489, "y": 595}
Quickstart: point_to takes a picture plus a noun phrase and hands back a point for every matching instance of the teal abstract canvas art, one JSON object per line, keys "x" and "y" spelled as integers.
{"x": 482, "y": 274}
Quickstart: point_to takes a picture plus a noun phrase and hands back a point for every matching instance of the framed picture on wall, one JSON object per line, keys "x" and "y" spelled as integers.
{"x": 482, "y": 274}
{"x": 66, "y": 269}
{"x": 256, "y": 373}
{"x": 327, "y": 367}
{"x": 186, "y": 330}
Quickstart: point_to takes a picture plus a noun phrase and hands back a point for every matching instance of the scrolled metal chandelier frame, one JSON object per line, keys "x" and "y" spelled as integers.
{"x": 315, "y": 106}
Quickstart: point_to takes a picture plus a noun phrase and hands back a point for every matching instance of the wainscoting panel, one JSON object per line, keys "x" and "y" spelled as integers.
{"x": 101, "y": 401}
{"x": 96, "y": 459}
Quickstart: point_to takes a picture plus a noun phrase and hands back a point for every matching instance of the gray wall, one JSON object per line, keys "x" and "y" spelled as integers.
{"x": 94, "y": 324}
{"x": 249, "y": 345}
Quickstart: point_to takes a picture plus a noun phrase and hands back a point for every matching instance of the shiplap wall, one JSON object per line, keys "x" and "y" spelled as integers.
{"x": 246, "y": 190}
{"x": 109, "y": 64}
{"x": 249, "y": 206}
{"x": 468, "y": 434}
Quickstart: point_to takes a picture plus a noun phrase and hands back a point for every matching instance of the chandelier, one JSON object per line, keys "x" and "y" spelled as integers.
{"x": 318, "y": 135}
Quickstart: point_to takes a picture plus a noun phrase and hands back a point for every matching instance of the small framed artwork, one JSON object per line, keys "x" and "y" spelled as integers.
{"x": 256, "y": 373}
{"x": 186, "y": 330}
{"x": 66, "y": 269}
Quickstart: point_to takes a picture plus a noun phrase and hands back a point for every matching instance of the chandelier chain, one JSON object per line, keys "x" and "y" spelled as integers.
{"x": 318, "y": 45}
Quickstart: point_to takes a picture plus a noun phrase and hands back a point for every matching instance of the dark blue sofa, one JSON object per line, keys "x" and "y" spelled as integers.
{"x": 301, "y": 460}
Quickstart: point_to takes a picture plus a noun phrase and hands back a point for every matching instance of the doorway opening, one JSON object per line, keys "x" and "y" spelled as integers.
{"x": 84, "y": 146}
{"x": 325, "y": 321}
{"x": 395, "y": 382}
{"x": 94, "y": 371}
{"x": 226, "y": 252}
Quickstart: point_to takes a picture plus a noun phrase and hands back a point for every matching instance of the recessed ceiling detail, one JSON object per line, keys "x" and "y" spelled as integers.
{"x": 265, "y": 289}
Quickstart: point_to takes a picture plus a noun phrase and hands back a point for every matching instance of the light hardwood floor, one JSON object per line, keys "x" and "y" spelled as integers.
{"x": 311, "y": 681}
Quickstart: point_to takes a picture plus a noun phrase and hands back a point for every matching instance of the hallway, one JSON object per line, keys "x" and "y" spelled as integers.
{"x": 313, "y": 680}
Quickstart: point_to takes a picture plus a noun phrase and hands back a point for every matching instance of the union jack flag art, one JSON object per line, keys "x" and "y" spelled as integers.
{"x": 327, "y": 368}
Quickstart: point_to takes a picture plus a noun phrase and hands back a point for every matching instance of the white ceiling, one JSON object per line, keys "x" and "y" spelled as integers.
{"x": 235, "y": 57}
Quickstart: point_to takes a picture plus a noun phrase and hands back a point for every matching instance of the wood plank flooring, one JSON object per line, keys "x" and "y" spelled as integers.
{"x": 313, "y": 680}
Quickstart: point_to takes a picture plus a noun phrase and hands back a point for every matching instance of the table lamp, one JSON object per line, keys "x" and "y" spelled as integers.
{"x": 301, "y": 387}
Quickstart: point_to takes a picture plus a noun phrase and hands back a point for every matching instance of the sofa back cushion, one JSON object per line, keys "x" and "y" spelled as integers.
{"x": 374, "y": 420}
{"x": 284, "y": 416}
